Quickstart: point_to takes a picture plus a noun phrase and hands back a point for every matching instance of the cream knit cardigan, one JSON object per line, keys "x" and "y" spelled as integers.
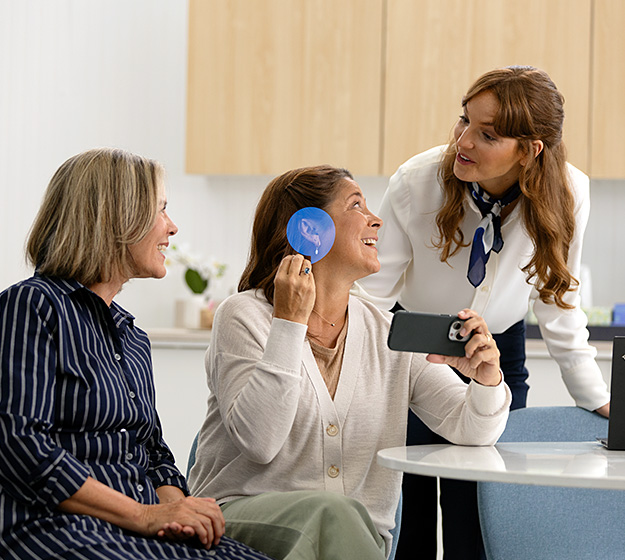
{"x": 272, "y": 426}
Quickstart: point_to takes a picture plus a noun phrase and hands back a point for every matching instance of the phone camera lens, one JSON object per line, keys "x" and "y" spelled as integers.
{"x": 459, "y": 336}
{"x": 457, "y": 325}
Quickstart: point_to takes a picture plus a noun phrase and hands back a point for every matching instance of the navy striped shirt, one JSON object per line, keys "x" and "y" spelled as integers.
{"x": 77, "y": 399}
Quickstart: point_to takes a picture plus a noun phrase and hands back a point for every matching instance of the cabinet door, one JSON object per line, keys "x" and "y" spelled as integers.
{"x": 435, "y": 50}
{"x": 608, "y": 90}
{"x": 278, "y": 84}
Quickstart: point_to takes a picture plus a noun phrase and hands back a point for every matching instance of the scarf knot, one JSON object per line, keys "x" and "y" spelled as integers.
{"x": 487, "y": 236}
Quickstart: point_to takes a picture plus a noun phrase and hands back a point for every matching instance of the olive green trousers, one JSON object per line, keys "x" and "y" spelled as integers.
{"x": 304, "y": 525}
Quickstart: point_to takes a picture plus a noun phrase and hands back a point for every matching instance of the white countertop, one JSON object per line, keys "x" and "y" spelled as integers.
{"x": 536, "y": 348}
{"x": 200, "y": 338}
{"x": 179, "y": 338}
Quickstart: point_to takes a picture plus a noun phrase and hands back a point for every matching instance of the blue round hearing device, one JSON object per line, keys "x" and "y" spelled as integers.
{"x": 311, "y": 232}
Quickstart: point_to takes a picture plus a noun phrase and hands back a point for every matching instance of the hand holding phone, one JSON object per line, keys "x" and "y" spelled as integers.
{"x": 476, "y": 355}
{"x": 427, "y": 333}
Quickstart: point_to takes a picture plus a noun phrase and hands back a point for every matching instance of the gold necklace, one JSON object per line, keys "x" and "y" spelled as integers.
{"x": 324, "y": 319}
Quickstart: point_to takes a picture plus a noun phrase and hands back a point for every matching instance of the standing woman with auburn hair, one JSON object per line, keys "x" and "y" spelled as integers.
{"x": 493, "y": 221}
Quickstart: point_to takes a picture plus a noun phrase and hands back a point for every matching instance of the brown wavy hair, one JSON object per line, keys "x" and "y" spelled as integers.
{"x": 530, "y": 108}
{"x": 285, "y": 195}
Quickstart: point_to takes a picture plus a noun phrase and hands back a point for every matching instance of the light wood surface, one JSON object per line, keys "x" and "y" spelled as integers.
{"x": 277, "y": 84}
{"x": 608, "y": 91}
{"x": 366, "y": 84}
{"x": 435, "y": 50}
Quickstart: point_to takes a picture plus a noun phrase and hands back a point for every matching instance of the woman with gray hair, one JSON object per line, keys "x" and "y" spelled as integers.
{"x": 84, "y": 471}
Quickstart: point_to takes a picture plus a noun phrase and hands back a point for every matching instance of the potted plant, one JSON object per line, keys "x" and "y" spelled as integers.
{"x": 196, "y": 310}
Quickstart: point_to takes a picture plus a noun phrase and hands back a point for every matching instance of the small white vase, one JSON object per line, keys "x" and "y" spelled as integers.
{"x": 188, "y": 311}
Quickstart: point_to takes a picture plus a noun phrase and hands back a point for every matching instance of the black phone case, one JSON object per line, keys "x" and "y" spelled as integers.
{"x": 424, "y": 332}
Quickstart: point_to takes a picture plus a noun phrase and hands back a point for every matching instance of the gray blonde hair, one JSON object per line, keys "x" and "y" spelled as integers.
{"x": 97, "y": 204}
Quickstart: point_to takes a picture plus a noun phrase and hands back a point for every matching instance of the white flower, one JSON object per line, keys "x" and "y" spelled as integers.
{"x": 198, "y": 271}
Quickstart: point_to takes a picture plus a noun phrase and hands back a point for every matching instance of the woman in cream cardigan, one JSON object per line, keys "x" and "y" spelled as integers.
{"x": 304, "y": 390}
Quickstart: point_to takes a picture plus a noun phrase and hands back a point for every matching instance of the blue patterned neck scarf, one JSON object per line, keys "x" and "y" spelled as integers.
{"x": 487, "y": 235}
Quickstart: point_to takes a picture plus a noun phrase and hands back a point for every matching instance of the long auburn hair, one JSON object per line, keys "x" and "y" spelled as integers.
{"x": 530, "y": 108}
{"x": 285, "y": 195}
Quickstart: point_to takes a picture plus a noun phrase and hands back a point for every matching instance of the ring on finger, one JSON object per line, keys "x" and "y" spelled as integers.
{"x": 306, "y": 270}
{"x": 488, "y": 337}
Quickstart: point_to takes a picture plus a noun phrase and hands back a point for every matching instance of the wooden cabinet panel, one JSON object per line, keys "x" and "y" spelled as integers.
{"x": 435, "y": 50}
{"x": 365, "y": 84}
{"x": 608, "y": 91}
{"x": 277, "y": 84}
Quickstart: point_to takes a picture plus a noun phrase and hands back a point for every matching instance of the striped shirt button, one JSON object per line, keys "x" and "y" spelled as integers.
{"x": 132, "y": 394}
{"x": 117, "y": 356}
{"x": 129, "y": 456}
{"x": 140, "y": 487}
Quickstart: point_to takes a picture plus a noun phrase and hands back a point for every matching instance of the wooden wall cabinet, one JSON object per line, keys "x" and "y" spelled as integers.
{"x": 366, "y": 84}
{"x": 278, "y": 84}
{"x": 608, "y": 91}
{"x": 436, "y": 50}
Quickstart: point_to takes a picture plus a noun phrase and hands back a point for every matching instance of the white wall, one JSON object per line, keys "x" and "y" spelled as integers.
{"x": 604, "y": 242}
{"x": 76, "y": 74}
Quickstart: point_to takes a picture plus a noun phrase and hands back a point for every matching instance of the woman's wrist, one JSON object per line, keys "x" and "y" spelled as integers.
{"x": 98, "y": 500}
{"x": 167, "y": 494}
{"x": 490, "y": 380}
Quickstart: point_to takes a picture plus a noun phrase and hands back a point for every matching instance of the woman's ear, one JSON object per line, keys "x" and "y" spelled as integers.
{"x": 535, "y": 147}
{"x": 308, "y": 231}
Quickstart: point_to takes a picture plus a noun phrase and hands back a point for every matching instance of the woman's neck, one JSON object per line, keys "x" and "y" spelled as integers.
{"x": 507, "y": 210}
{"x": 329, "y": 313}
{"x": 107, "y": 290}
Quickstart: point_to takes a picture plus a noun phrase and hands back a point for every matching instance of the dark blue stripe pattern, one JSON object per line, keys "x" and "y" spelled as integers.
{"x": 77, "y": 399}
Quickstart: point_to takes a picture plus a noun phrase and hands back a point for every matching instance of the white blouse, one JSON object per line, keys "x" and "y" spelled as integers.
{"x": 413, "y": 275}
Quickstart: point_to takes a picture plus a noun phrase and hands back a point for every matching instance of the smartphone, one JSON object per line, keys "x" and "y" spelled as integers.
{"x": 427, "y": 333}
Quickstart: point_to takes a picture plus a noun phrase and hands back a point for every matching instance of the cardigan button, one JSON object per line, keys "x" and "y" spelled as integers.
{"x": 333, "y": 471}
{"x": 332, "y": 430}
